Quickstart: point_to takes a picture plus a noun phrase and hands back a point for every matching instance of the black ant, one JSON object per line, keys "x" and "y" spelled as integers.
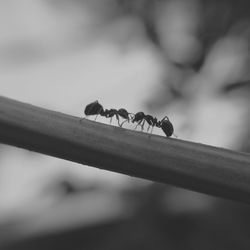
{"x": 164, "y": 124}
{"x": 95, "y": 108}
{"x": 110, "y": 113}
{"x": 141, "y": 118}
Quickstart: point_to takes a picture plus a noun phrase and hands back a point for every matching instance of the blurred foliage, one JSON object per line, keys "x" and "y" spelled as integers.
{"x": 204, "y": 48}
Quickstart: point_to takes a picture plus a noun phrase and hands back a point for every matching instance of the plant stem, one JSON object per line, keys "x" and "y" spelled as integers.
{"x": 198, "y": 167}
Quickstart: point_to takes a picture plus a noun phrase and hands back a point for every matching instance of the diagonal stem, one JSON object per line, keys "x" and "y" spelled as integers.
{"x": 194, "y": 166}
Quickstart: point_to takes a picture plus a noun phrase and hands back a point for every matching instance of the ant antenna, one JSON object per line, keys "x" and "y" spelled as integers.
{"x": 164, "y": 118}
{"x": 136, "y": 126}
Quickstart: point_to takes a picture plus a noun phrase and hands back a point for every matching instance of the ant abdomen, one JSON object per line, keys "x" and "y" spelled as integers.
{"x": 94, "y": 108}
{"x": 167, "y": 127}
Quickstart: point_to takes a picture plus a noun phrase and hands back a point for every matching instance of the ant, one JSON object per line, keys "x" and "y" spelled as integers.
{"x": 164, "y": 124}
{"x": 120, "y": 112}
{"x": 95, "y": 108}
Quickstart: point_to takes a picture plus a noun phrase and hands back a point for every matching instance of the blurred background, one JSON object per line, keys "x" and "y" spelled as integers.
{"x": 188, "y": 59}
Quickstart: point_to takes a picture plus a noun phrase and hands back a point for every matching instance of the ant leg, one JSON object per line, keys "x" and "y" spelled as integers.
{"x": 118, "y": 120}
{"x": 86, "y": 117}
{"x": 139, "y": 123}
{"x": 151, "y": 130}
{"x": 152, "y": 126}
{"x": 124, "y": 122}
{"x": 111, "y": 120}
{"x": 142, "y": 126}
{"x": 149, "y": 127}
{"x": 96, "y": 117}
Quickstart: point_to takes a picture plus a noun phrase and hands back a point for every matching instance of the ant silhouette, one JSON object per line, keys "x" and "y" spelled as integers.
{"x": 110, "y": 113}
{"x": 95, "y": 108}
{"x": 124, "y": 114}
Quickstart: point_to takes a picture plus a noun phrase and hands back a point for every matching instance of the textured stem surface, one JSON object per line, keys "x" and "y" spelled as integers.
{"x": 198, "y": 167}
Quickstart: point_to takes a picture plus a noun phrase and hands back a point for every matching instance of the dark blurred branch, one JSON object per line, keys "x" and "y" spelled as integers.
{"x": 194, "y": 166}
